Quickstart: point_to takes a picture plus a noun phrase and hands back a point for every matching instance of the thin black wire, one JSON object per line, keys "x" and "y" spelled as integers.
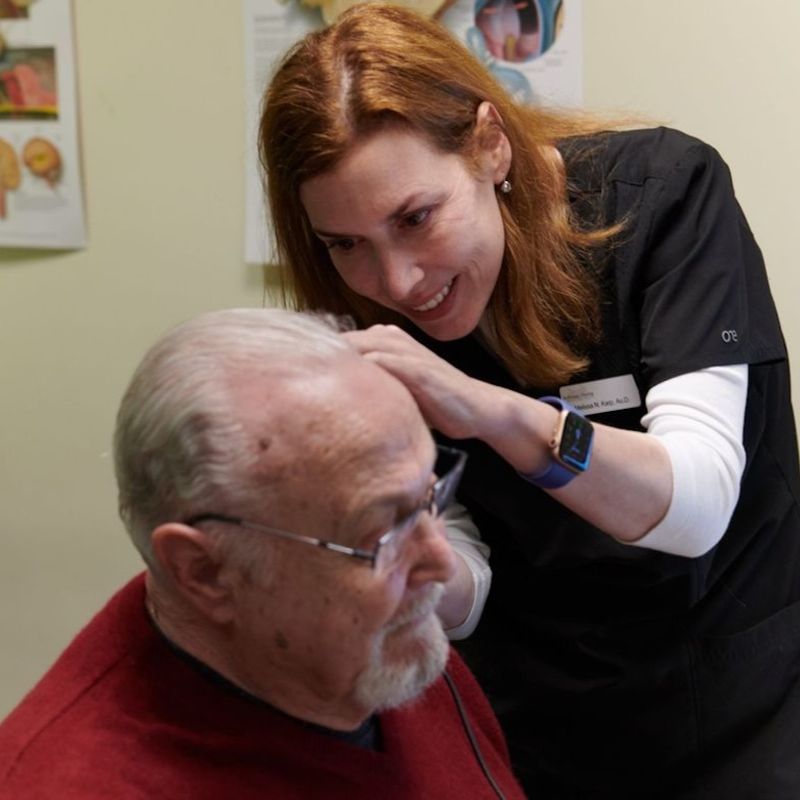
{"x": 471, "y": 734}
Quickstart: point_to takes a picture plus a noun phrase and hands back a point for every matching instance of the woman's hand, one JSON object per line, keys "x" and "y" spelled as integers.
{"x": 451, "y": 402}
{"x": 625, "y": 492}
{"x": 457, "y": 405}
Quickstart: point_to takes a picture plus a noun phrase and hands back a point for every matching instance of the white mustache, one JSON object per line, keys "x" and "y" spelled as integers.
{"x": 421, "y": 607}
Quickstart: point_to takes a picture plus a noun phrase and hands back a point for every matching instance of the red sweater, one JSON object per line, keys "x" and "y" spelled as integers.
{"x": 121, "y": 715}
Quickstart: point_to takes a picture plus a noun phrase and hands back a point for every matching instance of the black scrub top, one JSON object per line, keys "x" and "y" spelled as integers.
{"x": 616, "y": 671}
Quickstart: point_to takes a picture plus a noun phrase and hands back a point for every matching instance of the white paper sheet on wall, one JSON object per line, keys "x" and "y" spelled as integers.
{"x": 41, "y": 181}
{"x": 534, "y": 47}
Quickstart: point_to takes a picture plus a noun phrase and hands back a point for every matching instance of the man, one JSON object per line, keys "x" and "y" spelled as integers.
{"x": 283, "y": 641}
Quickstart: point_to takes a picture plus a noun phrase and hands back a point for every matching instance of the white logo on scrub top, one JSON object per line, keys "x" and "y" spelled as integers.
{"x": 730, "y": 336}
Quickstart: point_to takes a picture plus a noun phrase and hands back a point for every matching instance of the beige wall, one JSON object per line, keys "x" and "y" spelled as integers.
{"x": 727, "y": 71}
{"x": 162, "y": 124}
{"x": 161, "y": 92}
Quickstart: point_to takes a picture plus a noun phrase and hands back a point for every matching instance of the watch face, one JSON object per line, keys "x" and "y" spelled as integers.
{"x": 576, "y": 442}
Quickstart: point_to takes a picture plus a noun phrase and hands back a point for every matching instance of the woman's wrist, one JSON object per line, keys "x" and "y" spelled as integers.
{"x": 519, "y": 429}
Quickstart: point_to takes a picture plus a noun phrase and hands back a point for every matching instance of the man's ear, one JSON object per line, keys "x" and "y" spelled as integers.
{"x": 493, "y": 144}
{"x": 191, "y": 562}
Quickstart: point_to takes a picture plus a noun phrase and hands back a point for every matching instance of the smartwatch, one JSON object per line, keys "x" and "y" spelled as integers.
{"x": 570, "y": 447}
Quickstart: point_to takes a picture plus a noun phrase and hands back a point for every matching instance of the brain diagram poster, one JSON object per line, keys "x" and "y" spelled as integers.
{"x": 533, "y": 47}
{"x": 41, "y": 198}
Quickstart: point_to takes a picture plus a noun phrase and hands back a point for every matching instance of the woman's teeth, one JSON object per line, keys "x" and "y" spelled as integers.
{"x": 434, "y": 301}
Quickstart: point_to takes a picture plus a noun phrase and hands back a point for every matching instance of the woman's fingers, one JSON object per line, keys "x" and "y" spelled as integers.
{"x": 444, "y": 394}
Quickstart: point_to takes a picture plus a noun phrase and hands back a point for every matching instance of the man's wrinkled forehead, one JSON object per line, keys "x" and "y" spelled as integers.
{"x": 346, "y": 402}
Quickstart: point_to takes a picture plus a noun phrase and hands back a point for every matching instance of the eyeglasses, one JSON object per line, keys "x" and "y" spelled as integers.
{"x": 386, "y": 553}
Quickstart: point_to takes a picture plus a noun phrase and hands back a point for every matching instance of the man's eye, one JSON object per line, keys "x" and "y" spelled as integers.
{"x": 416, "y": 219}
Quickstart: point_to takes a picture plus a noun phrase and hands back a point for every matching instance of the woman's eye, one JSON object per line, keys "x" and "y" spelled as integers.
{"x": 416, "y": 219}
{"x": 341, "y": 244}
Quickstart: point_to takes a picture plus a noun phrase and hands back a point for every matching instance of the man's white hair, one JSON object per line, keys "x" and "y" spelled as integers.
{"x": 178, "y": 443}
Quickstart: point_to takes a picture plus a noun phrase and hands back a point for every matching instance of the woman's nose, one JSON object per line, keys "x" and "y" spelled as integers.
{"x": 399, "y": 275}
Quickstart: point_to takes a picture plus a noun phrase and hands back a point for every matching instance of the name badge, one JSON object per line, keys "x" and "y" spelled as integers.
{"x": 608, "y": 394}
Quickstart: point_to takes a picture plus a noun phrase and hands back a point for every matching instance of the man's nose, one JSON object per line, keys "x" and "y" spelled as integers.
{"x": 399, "y": 274}
{"x": 435, "y": 559}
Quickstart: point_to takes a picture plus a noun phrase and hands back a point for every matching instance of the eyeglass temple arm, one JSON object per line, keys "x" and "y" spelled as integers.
{"x": 242, "y": 523}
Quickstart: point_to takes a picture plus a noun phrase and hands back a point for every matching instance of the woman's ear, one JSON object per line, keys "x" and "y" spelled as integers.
{"x": 189, "y": 560}
{"x": 494, "y": 147}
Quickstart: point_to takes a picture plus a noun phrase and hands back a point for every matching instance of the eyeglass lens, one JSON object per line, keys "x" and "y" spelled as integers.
{"x": 442, "y": 492}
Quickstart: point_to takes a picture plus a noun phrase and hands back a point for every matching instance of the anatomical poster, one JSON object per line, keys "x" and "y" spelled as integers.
{"x": 41, "y": 192}
{"x": 533, "y": 47}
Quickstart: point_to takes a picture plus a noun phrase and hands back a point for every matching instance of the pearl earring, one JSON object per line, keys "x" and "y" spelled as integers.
{"x": 505, "y": 186}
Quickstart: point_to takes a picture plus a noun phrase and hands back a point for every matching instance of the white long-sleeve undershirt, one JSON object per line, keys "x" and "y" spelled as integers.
{"x": 463, "y": 535}
{"x": 699, "y": 418}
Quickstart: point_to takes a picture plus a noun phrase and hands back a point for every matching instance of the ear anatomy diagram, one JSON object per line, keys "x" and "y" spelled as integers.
{"x": 519, "y": 30}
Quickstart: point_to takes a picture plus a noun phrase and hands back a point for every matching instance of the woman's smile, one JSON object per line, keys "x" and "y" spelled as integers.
{"x": 437, "y": 299}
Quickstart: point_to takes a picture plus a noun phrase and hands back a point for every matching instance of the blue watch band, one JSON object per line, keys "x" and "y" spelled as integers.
{"x": 556, "y": 474}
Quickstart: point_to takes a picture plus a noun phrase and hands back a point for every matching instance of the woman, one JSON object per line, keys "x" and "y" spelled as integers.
{"x": 587, "y": 313}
